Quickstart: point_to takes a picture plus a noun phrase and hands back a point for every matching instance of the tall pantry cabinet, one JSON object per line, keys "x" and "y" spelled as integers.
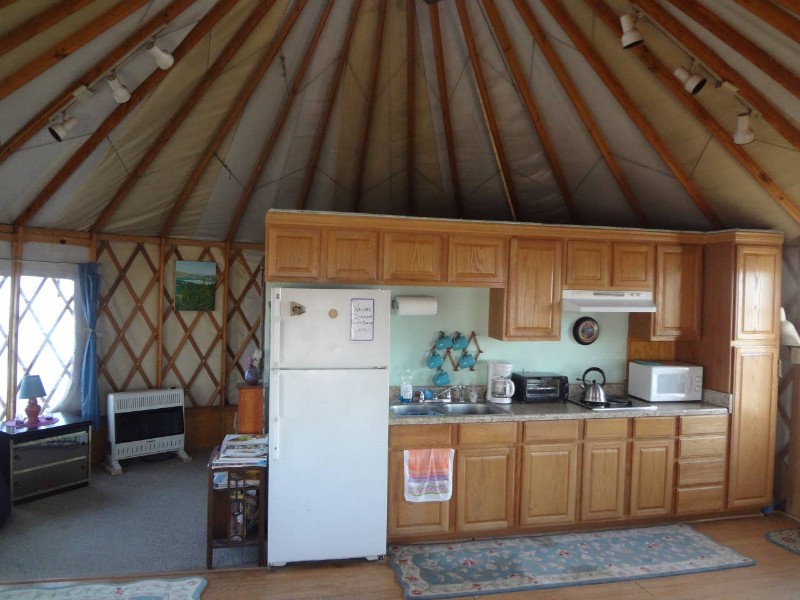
{"x": 739, "y": 348}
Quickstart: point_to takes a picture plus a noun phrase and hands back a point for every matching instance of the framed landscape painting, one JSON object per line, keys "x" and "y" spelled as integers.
{"x": 195, "y": 285}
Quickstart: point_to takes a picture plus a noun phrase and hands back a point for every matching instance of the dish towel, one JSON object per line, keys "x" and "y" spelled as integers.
{"x": 428, "y": 474}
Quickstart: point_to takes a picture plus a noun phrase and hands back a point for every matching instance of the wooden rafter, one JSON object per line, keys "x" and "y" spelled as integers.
{"x": 488, "y": 111}
{"x": 277, "y": 127}
{"x": 39, "y": 23}
{"x": 65, "y": 47}
{"x": 790, "y": 5}
{"x": 87, "y": 79}
{"x": 707, "y": 56}
{"x": 741, "y": 44}
{"x": 636, "y": 115}
{"x": 182, "y": 113}
{"x": 444, "y": 102}
{"x": 575, "y": 97}
{"x": 326, "y": 115}
{"x": 496, "y": 23}
{"x": 787, "y": 23}
{"x": 197, "y": 33}
{"x": 411, "y": 205}
{"x": 371, "y": 92}
{"x": 697, "y": 110}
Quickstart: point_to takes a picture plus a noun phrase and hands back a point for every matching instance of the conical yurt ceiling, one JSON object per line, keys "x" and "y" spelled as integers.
{"x": 508, "y": 110}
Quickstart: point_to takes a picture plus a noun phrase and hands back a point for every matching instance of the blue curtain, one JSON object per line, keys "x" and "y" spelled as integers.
{"x": 90, "y": 397}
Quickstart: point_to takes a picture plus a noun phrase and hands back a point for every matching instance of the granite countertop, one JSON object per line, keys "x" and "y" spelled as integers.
{"x": 713, "y": 403}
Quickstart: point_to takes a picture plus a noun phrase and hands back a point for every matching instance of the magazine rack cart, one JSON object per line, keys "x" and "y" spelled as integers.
{"x": 236, "y": 509}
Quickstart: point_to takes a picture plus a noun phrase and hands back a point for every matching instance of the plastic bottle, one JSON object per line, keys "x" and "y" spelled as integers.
{"x": 406, "y": 386}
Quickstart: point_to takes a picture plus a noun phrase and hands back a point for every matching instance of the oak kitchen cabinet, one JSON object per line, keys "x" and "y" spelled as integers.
{"x": 411, "y": 258}
{"x": 529, "y": 308}
{"x": 603, "y": 479}
{"x": 652, "y": 466}
{"x": 678, "y": 296}
{"x": 602, "y": 265}
{"x": 701, "y": 464}
{"x": 476, "y": 259}
{"x": 351, "y": 256}
{"x": 549, "y": 453}
{"x": 485, "y": 478}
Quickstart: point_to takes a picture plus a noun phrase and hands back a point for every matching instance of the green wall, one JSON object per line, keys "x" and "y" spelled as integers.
{"x": 467, "y": 310}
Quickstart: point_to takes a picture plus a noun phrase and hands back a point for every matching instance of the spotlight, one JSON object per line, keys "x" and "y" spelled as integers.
{"x": 692, "y": 82}
{"x": 630, "y": 35}
{"x": 163, "y": 59}
{"x": 743, "y": 134}
{"x": 60, "y": 130}
{"x": 120, "y": 92}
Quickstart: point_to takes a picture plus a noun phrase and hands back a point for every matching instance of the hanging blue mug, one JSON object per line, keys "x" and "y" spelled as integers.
{"x": 443, "y": 342}
{"x": 466, "y": 361}
{"x": 459, "y": 341}
{"x": 435, "y": 360}
{"x": 441, "y": 378}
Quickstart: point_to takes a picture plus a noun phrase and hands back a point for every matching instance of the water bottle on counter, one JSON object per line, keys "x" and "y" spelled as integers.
{"x": 406, "y": 386}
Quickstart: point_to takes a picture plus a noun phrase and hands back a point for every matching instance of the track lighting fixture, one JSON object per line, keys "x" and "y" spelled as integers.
{"x": 163, "y": 59}
{"x": 692, "y": 82}
{"x": 61, "y": 129}
{"x": 120, "y": 92}
{"x": 743, "y": 134}
{"x": 630, "y": 35}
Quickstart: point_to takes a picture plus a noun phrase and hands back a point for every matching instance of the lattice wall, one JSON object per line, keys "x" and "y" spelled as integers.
{"x": 202, "y": 352}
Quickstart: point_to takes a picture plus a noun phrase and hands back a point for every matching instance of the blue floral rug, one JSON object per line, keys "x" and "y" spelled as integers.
{"x": 548, "y": 561}
{"x": 145, "y": 589}
{"x": 788, "y": 539}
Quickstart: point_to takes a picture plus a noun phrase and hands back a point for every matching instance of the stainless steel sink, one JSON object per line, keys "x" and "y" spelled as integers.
{"x": 472, "y": 409}
{"x": 415, "y": 410}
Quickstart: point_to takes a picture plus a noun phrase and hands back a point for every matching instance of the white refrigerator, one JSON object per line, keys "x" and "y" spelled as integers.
{"x": 328, "y": 424}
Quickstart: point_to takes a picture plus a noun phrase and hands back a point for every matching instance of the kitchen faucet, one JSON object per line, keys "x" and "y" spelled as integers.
{"x": 445, "y": 394}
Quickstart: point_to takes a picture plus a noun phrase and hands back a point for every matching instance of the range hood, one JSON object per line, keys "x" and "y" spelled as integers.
{"x": 607, "y": 301}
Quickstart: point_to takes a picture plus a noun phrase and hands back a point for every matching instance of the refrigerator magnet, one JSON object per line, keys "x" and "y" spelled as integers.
{"x": 362, "y": 319}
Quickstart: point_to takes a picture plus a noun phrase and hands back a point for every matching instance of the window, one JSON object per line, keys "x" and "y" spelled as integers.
{"x": 5, "y": 317}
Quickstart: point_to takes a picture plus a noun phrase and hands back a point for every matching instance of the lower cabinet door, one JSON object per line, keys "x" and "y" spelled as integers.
{"x": 485, "y": 489}
{"x": 409, "y": 518}
{"x": 549, "y": 484}
{"x": 651, "y": 477}
{"x": 603, "y": 480}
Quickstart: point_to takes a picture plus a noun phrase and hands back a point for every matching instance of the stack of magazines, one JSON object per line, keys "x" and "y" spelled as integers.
{"x": 242, "y": 450}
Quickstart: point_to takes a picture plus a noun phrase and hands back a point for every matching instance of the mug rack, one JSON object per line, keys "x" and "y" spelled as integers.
{"x": 448, "y": 354}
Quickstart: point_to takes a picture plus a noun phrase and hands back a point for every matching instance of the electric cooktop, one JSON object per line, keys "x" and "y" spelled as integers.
{"x": 616, "y": 403}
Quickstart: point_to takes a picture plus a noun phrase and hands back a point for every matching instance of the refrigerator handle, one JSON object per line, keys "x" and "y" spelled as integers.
{"x": 275, "y": 330}
{"x": 275, "y": 416}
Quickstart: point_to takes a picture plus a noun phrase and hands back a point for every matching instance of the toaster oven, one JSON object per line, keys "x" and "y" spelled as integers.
{"x": 540, "y": 387}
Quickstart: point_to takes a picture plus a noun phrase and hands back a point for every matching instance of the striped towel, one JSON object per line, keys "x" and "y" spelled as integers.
{"x": 428, "y": 474}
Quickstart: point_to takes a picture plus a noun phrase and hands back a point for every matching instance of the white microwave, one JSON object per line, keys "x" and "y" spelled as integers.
{"x": 665, "y": 381}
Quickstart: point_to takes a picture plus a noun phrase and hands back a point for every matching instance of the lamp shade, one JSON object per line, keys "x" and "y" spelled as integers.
{"x": 630, "y": 35}
{"x": 743, "y": 133}
{"x": 789, "y": 336}
{"x": 692, "y": 82}
{"x": 119, "y": 91}
{"x": 163, "y": 59}
{"x": 31, "y": 387}
{"x": 60, "y": 130}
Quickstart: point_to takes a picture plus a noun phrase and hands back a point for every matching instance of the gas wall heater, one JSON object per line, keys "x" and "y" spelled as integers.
{"x": 142, "y": 423}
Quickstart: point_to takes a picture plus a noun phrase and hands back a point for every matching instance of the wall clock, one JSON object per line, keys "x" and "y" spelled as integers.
{"x": 585, "y": 331}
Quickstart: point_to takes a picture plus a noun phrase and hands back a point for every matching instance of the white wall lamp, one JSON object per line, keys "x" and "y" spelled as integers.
{"x": 119, "y": 91}
{"x": 163, "y": 59}
{"x": 60, "y": 130}
{"x": 692, "y": 82}
{"x": 744, "y": 135}
{"x": 630, "y": 35}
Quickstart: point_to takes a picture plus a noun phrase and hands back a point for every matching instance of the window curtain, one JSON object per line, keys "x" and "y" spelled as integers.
{"x": 89, "y": 277}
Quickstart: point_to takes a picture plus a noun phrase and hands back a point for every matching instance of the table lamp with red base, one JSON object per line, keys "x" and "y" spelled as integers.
{"x": 30, "y": 389}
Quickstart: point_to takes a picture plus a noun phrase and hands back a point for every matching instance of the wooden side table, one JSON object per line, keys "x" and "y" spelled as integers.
{"x": 237, "y": 516}
{"x": 250, "y": 411}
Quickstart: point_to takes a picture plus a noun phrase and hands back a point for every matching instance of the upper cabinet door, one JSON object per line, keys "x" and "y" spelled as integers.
{"x": 477, "y": 260}
{"x": 351, "y": 256}
{"x": 633, "y": 266}
{"x": 679, "y": 290}
{"x": 412, "y": 257}
{"x": 588, "y": 265}
{"x": 758, "y": 272}
{"x": 293, "y": 253}
{"x": 534, "y": 290}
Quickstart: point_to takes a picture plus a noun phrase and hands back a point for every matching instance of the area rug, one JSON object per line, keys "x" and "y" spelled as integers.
{"x": 548, "y": 561}
{"x": 788, "y": 539}
{"x": 146, "y": 589}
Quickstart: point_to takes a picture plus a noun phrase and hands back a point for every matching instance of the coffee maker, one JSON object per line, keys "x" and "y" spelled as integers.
{"x": 499, "y": 388}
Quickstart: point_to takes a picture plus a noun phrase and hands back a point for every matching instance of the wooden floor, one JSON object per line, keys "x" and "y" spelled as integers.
{"x": 775, "y": 577}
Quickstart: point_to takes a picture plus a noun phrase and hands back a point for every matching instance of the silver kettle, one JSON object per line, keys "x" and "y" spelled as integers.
{"x": 594, "y": 393}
